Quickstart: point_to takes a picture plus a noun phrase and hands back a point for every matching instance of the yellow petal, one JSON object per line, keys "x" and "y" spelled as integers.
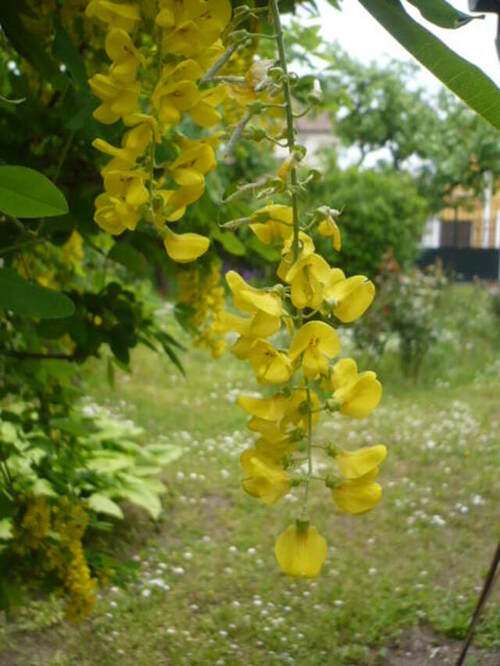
{"x": 205, "y": 115}
{"x": 359, "y": 397}
{"x": 353, "y": 296}
{"x": 185, "y": 248}
{"x": 343, "y": 372}
{"x": 264, "y": 478}
{"x": 269, "y": 409}
{"x": 316, "y": 333}
{"x": 354, "y": 464}
{"x": 357, "y": 498}
{"x": 250, "y": 299}
{"x": 301, "y": 551}
{"x": 327, "y": 228}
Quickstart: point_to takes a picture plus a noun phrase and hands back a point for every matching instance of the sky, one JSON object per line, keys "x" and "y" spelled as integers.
{"x": 363, "y": 38}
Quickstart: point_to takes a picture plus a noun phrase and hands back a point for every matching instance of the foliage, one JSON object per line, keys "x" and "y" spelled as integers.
{"x": 380, "y": 210}
{"x": 406, "y": 308}
{"x": 385, "y": 113}
{"x": 466, "y": 80}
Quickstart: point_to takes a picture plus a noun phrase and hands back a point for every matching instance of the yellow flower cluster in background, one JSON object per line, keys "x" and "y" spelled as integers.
{"x": 49, "y": 535}
{"x": 203, "y": 292}
{"x": 158, "y": 54}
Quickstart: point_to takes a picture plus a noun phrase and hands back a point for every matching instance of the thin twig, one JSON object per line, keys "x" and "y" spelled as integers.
{"x": 219, "y": 63}
{"x": 487, "y": 587}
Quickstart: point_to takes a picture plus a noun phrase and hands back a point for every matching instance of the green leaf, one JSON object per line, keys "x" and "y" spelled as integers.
{"x": 65, "y": 50}
{"x": 267, "y": 252}
{"x": 102, "y": 504}
{"x": 25, "y": 192}
{"x": 441, "y": 13}
{"x": 128, "y": 256}
{"x": 29, "y": 45}
{"x": 464, "y": 79}
{"x": 164, "y": 454}
{"x": 6, "y": 528}
{"x": 41, "y": 487}
{"x": 229, "y": 241}
{"x": 109, "y": 462}
{"x": 142, "y": 497}
{"x": 30, "y": 299}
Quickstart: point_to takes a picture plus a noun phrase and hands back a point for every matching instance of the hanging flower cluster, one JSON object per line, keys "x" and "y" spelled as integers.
{"x": 163, "y": 54}
{"x": 306, "y": 381}
{"x": 159, "y": 53}
{"x": 202, "y": 292}
{"x": 305, "y": 377}
{"x": 52, "y": 534}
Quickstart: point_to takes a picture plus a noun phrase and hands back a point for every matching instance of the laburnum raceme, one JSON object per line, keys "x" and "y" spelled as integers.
{"x": 159, "y": 53}
{"x": 304, "y": 374}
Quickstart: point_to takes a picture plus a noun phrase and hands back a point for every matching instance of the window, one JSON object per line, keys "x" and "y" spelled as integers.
{"x": 456, "y": 234}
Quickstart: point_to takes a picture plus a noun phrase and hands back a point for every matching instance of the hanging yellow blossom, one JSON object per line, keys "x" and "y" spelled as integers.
{"x": 263, "y": 477}
{"x": 317, "y": 342}
{"x": 301, "y": 550}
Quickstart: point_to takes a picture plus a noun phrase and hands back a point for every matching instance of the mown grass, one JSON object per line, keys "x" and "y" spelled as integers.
{"x": 207, "y": 588}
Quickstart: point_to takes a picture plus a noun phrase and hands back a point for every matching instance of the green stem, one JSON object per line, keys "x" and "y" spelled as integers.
{"x": 309, "y": 447}
{"x": 290, "y": 130}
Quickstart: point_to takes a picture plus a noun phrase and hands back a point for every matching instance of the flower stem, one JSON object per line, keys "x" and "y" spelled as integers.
{"x": 290, "y": 130}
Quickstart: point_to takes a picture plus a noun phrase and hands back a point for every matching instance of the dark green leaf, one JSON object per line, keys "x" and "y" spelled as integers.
{"x": 442, "y": 13}
{"x": 29, "y": 45}
{"x": 128, "y": 256}
{"x": 174, "y": 358}
{"x": 31, "y": 299}
{"x": 65, "y": 50}
{"x": 464, "y": 79}
{"x": 229, "y": 241}
{"x": 265, "y": 251}
{"x": 119, "y": 344}
{"x": 28, "y": 193}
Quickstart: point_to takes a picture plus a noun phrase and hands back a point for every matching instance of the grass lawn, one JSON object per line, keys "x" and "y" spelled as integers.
{"x": 399, "y": 584}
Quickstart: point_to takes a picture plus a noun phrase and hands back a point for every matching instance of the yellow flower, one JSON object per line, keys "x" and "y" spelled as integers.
{"x": 307, "y": 278}
{"x": 328, "y": 228}
{"x": 356, "y": 464}
{"x": 269, "y": 365}
{"x": 205, "y": 113}
{"x": 263, "y": 477}
{"x": 170, "y": 99}
{"x": 249, "y": 299}
{"x": 269, "y": 409}
{"x": 318, "y": 342}
{"x": 357, "y": 394}
{"x": 306, "y": 247}
{"x": 349, "y": 297}
{"x": 260, "y": 325}
{"x": 118, "y": 99}
{"x": 195, "y": 160}
{"x": 134, "y": 144}
{"x": 123, "y": 54}
{"x": 359, "y": 495}
{"x": 128, "y": 185}
{"x": 296, "y": 411}
{"x": 359, "y": 492}
{"x": 123, "y": 16}
{"x": 190, "y": 27}
{"x": 301, "y": 550}
{"x": 114, "y": 215}
{"x": 276, "y": 448}
{"x": 184, "y": 248}
{"x": 272, "y": 222}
